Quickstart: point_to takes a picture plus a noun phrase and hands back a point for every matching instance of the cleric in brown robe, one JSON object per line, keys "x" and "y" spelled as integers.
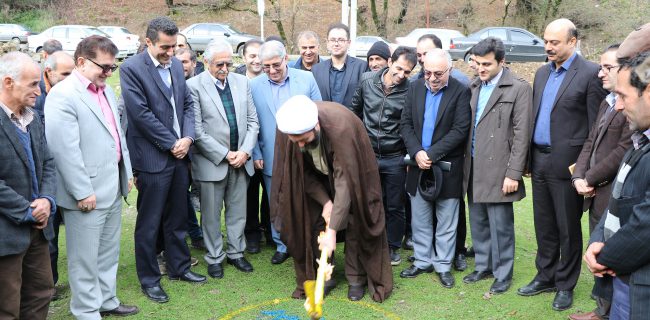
{"x": 326, "y": 170}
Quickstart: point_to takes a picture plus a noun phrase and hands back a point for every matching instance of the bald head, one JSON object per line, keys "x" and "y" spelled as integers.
{"x": 58, "y": 66}
{"x": 563, "y": 26}
{"x": 560, "y": 39}
{"x": 19, "y": 78}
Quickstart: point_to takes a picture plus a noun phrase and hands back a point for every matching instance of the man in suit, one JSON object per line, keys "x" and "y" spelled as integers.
{"x": 339, "y": 76}
{"x": 226, "y": 131}
{"x": 188, "y": 59}
{"x": 435, "y": 122}
{"x": 27, "y": 188}
{"x": 308, "y": 46}
{"x": 619, "y": 244}
{"x": 270, "y": 91}
{"x": 94, "y": 170}
{"x": 566, "y": 91}
{"x": 161, "y": 131}
{"x": 497, "y": 150}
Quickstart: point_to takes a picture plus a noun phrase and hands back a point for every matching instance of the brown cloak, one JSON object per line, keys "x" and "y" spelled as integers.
{"x": 298, "y": 193}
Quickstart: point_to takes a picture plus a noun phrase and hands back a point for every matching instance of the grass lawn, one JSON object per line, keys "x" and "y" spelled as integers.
{"x": 265, "y": 293}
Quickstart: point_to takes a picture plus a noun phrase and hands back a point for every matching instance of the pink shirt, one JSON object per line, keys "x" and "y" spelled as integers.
{"x": 97, "y": 93}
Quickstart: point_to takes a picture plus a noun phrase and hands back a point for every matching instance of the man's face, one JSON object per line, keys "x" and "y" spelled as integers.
{"x": 436, "y": 72}
{"x": 24, "y": 89}
{"x": 338, "y": 43}
{"x": 399, "y": 70}
{"x": 306, "y": 140}
{"x": 487, "y": 66}
{"x": 608, "y": 70}
{"x": 275, "y": 68}
{"x": 559, "y": 47}
{"x": 252, "y": 59}
{"x": 376, "y": 62}
{"x": 219, "y": 65}
{"x": 90, "y": 68}
{"x": 309, "y": 50}
{"x": 188, "y": 64}
{"x": 163, "y": 49}
{"x": 64, "y": 67}
{"x": 635, "y": 108}
{"x": 181, "y": 42}
{"x": 422, "y": 48}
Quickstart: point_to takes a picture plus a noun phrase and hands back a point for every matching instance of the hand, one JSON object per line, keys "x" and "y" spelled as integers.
{"x": 131, "y": 182}
{"x": 88, "y": 204}
{"x": 509, "y": 186}
{"x": 328, "y": 241}
{"x": 238, "y": 158}
{"x": 40, "y": 209}
{"x": 593, "y": 250}
{"x": 327, "y": 212}
{"x": 259, "y": 164}
{"x": 40, "y": 225}
{"x": 181, "y": 147}
{"x": 583, "y": 188}
{"x": 423, "y": 160}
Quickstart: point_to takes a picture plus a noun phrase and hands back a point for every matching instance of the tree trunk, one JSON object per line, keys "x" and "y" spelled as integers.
{"x": 404, "y": 6}
{"x": 379, "y": 20}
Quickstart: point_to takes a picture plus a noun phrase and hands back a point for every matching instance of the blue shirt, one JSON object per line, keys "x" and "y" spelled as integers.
{"x": 483, "y": 96}
{"x": 431, "y": 104}
{"x": 281, "y": 92}
{"x": 336, "y": 84}
{"x": 542, "y": 133}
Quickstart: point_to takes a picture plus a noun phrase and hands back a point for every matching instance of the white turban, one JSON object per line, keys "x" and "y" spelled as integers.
{"x": 297, "y": 116}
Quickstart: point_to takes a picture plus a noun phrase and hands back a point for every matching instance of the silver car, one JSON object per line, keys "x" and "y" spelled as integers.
{"x": 71, "y": 35}
{"x": 15, "y": 32}
{"x": 199, "y": 34}
{"x": 520, "y": 44}
{"x": 364, "y": 43}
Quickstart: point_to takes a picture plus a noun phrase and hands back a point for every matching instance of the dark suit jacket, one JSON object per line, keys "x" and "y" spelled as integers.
{"x": 627, "y": 252}
{"x": 148, "y": 107}
{"x": 574, "y": 111}
{"x": 354, "y": 68}
{"x": 608, "y": 146}
{"x": 16, "y": 184}
{"x": 40, "y": 100}
{"x": 448, "y": 142}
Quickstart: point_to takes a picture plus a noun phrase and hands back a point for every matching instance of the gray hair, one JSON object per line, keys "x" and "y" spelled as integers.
{"x": 53, "y": 60}
{"x": 215, "y": 46}
{"x": 308, "y": 34}
{"x": 51, "y": 46}
{"x": 13, "y": 63}
{"x": 439, "y": 53}
{"x": 272, "y": 49}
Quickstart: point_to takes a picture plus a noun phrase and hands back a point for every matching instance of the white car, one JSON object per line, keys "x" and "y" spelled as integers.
{"x": 364, "y": 43}
{"x": 123, "y": 33}
{"x": 445, "y": 36}
{"x": 71, "y": 35}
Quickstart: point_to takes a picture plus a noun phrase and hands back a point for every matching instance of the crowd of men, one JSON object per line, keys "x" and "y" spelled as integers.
{"x": 366, "y": 152}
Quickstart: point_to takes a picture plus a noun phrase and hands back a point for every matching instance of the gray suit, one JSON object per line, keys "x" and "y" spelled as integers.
{"x": 219, "y": 181}
{"x": 87, "y": 164}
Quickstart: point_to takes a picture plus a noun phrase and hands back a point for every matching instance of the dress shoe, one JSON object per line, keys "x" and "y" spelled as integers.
{"x": 329, "y": 286}
{"x": 198, "y": 244}
{"x": 279, "y": 257}
{"x": 215, "y": 270}
{"x": 241, "y": 264}
{"x": 460, "y": 263}
{"x": 536, "y": 287}
{"x": 356, "y": 293}
{"x": 413, "y": 271}
{"x": 563, "y": 300}
{"x": 121, "y": 311}
{"x": 470, "y": 252}
{"x": 499, "y": 287}
{"x": 477, "y": 276}
{"x": 253, "y": 247}
{"x": 411, "y": 259}
{"x": 446, "y": 279}
{"x": 190, "y": 276}
{"x": 395, "y": 259}
{"x": 584, "y": 316}
{"x": 156, "y": 294}
{"x": 408, "y": 243}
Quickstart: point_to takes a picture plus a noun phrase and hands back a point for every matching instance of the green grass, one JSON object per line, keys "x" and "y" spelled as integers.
{"x": 36, "y": 20}
{"x": 264, "y": 294}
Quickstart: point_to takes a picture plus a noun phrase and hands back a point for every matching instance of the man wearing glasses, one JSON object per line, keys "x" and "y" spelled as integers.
{"x": 270, "y": 91}
{"x": 338, "y": 77}
{"x": 435, "y": 123}
{"x": 94, "y": 173}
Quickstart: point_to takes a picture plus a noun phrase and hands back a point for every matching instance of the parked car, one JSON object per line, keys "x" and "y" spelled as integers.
{"x": 364, "y": 43}
{"x": 445, "y": 36}
{"x": 121, "y": 32}
{"x": 199, "y": 34}
{"x": 71, "y": 35}
{"x": 16, "y": 32}
{"x": 521, "y": 45}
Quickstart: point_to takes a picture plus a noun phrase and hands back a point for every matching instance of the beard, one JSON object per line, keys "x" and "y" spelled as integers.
{"x": 313, "y": 144}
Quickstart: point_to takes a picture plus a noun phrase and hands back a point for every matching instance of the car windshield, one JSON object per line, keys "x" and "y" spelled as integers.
{"x": 95, "y": 31}
{"x": 124, "y": 30}
{"x": 230, "y": 29}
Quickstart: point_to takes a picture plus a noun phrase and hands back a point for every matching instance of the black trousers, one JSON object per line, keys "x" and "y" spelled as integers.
{"x": 258, "y": 217}
{"x": 557, "y": 209}
{"x": 54, "y": 245}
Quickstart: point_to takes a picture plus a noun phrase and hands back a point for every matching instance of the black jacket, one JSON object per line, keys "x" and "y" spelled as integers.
{"x": 381, "y": 113}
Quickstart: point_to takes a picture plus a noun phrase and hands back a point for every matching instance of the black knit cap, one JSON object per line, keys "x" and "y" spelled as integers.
{"x": 379, "y": 48}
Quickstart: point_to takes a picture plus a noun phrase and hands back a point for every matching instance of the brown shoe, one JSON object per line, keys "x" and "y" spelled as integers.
{"x": 584, "y": 316}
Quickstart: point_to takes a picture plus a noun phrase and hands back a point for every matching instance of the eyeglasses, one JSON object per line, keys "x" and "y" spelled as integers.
{"x": 437, "y": 74}
{"x": 105, "y": 68}
{"x": 607, "y": 67}
{"x": 276, "y": 66}
{"x": 220, "y": 65}
{"x": 338, "y": 41}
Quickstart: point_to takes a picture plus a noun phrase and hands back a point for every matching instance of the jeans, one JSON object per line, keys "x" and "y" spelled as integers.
{"x": 392, "y": 173}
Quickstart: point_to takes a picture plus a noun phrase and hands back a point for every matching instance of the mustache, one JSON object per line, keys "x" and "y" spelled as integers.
{"x": 551, "y": 52}
{"x": 221, "y": 71}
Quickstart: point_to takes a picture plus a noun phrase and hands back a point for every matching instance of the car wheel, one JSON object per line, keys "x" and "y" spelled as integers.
{"x": 39, "y": 49}
{"x": 15, "y": 40}
{"x": 240, "y": 50}
{"x": 466, "y": 58}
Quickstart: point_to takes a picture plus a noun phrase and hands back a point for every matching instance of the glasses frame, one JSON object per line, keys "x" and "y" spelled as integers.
{"x": 338, "y": 41}
{"x": 608, "y": 68}
{"x": 437, "y": 74}
{"x": 105, "y": 68}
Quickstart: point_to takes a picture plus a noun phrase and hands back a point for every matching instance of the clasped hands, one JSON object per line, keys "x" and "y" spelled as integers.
{"x": 40, "y": 212}
{"x": 181, "y": 147}
{"x": 596, "y": 268}
{"x": 583, "y": 188}
{"x": 237, "y": 158}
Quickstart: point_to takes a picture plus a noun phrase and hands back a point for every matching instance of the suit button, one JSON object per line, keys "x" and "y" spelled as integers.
{"x": 490, "y": 158}
{"x": 491, "y": 136}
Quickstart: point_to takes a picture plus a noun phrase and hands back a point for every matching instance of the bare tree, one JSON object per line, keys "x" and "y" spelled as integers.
{"x": 379, "y": 19}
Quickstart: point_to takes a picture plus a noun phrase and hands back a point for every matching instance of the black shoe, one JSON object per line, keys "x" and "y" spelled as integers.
{"x": 329, "y": 286}
{"x": 470, "y": 252}
{"x": 198, "y": 244}
{"x": 536, "y": 287}
{"x": 356, "y": 293}
{"x": 253, "y": 247}
{"x": 156, "y": 294}
{"x": 279, "y": 257}
{"x": 121, "y": 311}
{"x": 411, "y": 259}
{"x": 460, "y": 263}
{"x": 395, "y": 259}
{"x": 446, "y": 279}
{"x": 414, "y": 271}
{"x": 215, "y": 270}
{"x": 563, "y": 300}
{"x": 408, "y": 243}
{"x": 477, "y": 276}
{"x": 190, "y": 276}
{"x": 241, "y": 264}
{"x": 500, "y": 286}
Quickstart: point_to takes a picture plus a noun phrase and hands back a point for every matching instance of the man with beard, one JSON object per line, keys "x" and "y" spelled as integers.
{"x": 378, "y": 56}
{"x": 252, "y": 66}
{"x": 327, "y": 179}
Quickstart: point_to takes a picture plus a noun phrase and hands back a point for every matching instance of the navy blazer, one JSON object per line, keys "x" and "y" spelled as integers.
{"x": 16, "y": 184}
{"x": 150, "y": 113}
{"x": 354, "y": 68}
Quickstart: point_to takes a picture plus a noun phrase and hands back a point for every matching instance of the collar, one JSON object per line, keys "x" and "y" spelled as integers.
{"x": 611, "y": 99}
{"x": 426, "y": 84}
{"x": 566, "y": 65}
{"x": 157, "y": 63}
{"x": 24, "y": 118}
{"x": 283, "y": 81}
{"x": 217, "y": 81}
{"x": 87, "y": 83}
{"x": 494, "y": 80}
{"x": 347, "y": 59}
{"x": 637, "y": 138}
{"x": 381, "y": 77}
